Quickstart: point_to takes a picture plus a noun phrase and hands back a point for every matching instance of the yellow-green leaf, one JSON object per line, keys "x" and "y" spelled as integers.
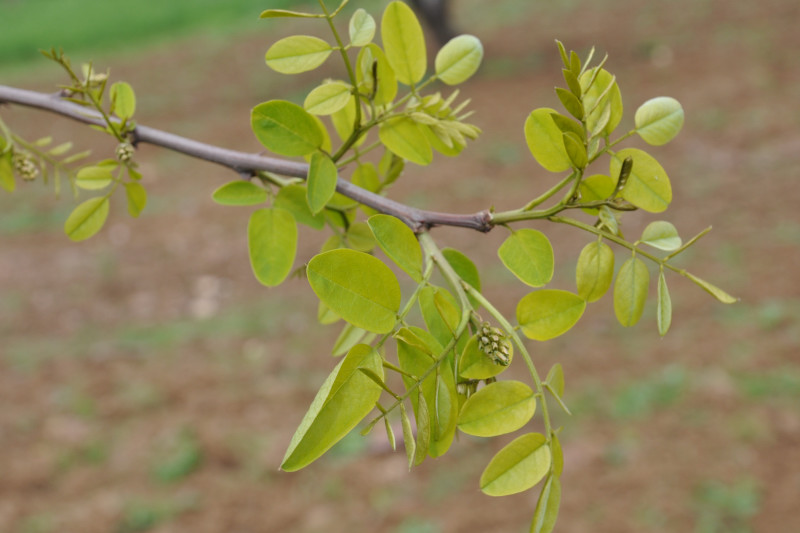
{"x": 93, "y": 178}
{"x": 361, "y": 28}
{"x": 659, "y": 120}
{"x": 298, "y": 53}
{"x": 348, "y": 337}
{"x": 630, "y": 291}
{"x": 272, "y": 244}
{"x": 123, "y": 100}
{"x": 648, "y": 186}
{"x": 408, "y": 436}
{"x": 528, "y": 254}
{"x": 713, "y": 290}
{"x": 373, "y": 67}
{"x": 240, "y": 192}
{"x": 544, "y": 518}
{"x": 293, "y": 199}
{"x": 594, "y": 188}
{"x": 474, "y": 364}
{"x": 87, "y": 218}
{"x": 497, "y": 409}
{"x": 459, "y": 59}
{"x": 286, "y": 128}
{"x": 7, "y": 172}
{"x": 328, "y": 98}
{"x": 545, "y": 140}
{"x": 605, "y": 89}
{"x": 518, "y": 466}
{"x": 321, "y": 180}
{"x": 399, "y": 243}
{"x": 358, "y": 287}
{"x": 549, "y": 313}
{"x": 595, "y": 271}
{"x": 662, "y": 235}
{"x": 664, "y": 308}
{"x": 345, "y": 398}
{"x": 137, "y": 198}
{"x": 404, "y": 138}
{"x": 404, "y": 43}
{"x": 284, "y": 13}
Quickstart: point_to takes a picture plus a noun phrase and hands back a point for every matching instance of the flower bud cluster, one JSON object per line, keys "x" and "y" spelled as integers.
{"x": 494, "y": 344}
{"x": 124, "y": 152}
{"x": 25, "y": 166}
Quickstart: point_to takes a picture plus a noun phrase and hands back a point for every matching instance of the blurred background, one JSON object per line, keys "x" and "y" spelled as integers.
{"x": 149, "y": 383}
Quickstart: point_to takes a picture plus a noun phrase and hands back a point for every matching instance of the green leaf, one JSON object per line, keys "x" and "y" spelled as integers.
{"x": 440, "y": 312}
{"x": 497, "y": 409}
{"x": 357, "y": 287}
{"x": 286, "y": 128}
{"x": 348, "y": 337}
{"x": 570, "y": 102}
{"x": 321, "y": 181}
{"x": 328, "y": 98}
{"x": 517, "y": 467}
{"x": 240, "y": 192}
{"x": 459, "y": 59}
{"x": 555, "y": 378}
{"x": 662, "y": 235}
{"x": 545, "y": 140}
{"x": 549, "y": 313}
{"x": 7, "y": 172}
{"x": 404, "y": 43}
{"x": 423, "y": 420}
{"x": 630, "y": 291}
{"x": 389, "y": 433}
{"x": 359, "y": 237}
{"x": 123, "y": 100}
{"x": 325, "y": 316}
{"x": 293, "y": 199}
{"x": 345, "y": 398}
{"x": 61, "y": 149}
{"x": 283, "y": 13}
{"x": 595, "y": 271}
{"x": 408, "y": 436}
{"x": 373, "y": 67}
{"x": 466, "y": 270}
{"x": 93, "y": 178}
{"x": 544, "y": 518}
{"x": 648, "y": 186}
{"x": 137, "y": 198}
{"x": 361, "y": 28}
{"x": 474, "y": 364}
{"x": 399, "y": 243}
{"x": 605, "y": 89}
{"x": 87, "y": 218}
{"x": 595, "y": 188}
{"x": 659, "y": 120}
{"x": 405, "y": 139}
{"x": 713, "y": 290}
{"x": 272, "y": 244}
{"x": 664, "y": 309}
{"x": 575, "y": 150}
{"x": 417, "y": 351}
{"x": 366, "y": 176}
{"x": 528, "y": 254}
{"x": 298, "y": 53}
{"x": 558, "y": 455}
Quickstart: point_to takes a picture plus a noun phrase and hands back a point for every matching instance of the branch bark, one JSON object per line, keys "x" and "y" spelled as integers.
{"x": 248, "y": 163}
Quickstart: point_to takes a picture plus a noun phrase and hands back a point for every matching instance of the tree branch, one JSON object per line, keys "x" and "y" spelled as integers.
{"x": 248, "y": 163}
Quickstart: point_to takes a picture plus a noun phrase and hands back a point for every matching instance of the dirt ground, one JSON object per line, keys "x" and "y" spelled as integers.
{"x": 148, "y": 383}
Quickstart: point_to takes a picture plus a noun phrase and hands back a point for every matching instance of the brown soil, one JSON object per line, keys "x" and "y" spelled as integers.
{"x": 152, "y": 344}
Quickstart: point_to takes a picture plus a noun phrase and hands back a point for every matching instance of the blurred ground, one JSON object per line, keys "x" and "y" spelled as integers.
{"x": 148, "y": 383}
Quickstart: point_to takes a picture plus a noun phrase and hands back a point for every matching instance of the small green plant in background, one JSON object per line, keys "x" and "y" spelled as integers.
{"x": 726, "y": 508}
{"x": 353, "y": 138}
